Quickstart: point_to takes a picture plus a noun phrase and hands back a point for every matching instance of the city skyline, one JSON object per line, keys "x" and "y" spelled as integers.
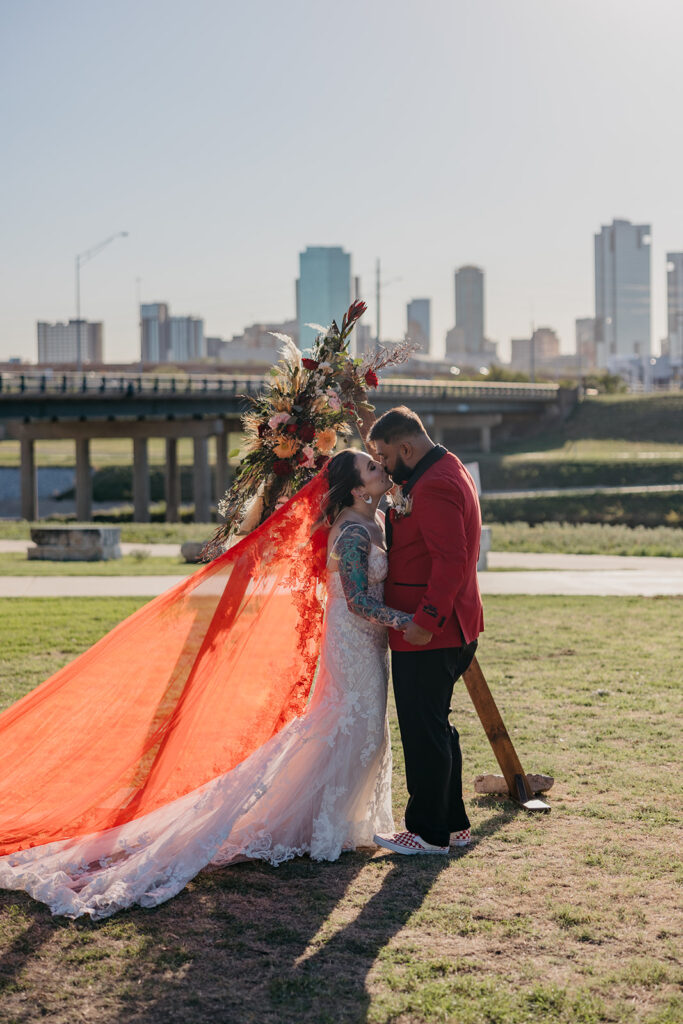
{"x": 246, "y": 170}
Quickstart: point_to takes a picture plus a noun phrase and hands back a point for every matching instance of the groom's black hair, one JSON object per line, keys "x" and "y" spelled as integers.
{"x": 396, "y": 424}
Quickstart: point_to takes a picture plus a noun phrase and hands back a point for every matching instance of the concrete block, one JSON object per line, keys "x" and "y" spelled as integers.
{"x": 75, "y": 543}
{"x": 484, "y": 548}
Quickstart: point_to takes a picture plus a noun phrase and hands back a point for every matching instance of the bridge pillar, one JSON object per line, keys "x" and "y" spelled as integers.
{"x": 202, "y": 481}
{"x": 221, "y": 464}
{"x": 29, "y": 480}
{"x": 141, "y": 494}
{"x": 172, "y": 481}
{"x": 486, "y": 438}
{"x": 83, "y": 480}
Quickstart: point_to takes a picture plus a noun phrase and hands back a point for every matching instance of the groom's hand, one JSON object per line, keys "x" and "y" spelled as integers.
{"x": 416, "y": 635}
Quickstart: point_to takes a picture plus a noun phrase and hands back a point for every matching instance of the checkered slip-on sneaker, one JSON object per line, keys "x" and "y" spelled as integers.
{"x": 408, "y": 843}
{"x": 462, "y": 838}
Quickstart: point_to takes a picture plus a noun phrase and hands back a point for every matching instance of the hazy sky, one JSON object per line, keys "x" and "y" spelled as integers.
{"x": 226, "y": 136}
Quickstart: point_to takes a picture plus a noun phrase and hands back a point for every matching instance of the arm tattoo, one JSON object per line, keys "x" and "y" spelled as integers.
{"x": 353, "y": 551}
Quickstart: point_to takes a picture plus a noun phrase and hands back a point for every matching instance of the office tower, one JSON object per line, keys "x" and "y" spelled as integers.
{"x": 622, "y": 292}
{"x": 539, "y": 352}
{"x": 418, "y": 315}
{"x": 154, "y": 332}
{"x": 58, "y": 343}
{"x": 185, "y": 339}
{"x": 674, "y": 297}
{"x": 469, "y": 307}
{"x": 323, "y": 289}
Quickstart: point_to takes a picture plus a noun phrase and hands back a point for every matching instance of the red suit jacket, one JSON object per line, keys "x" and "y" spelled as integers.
{"x": 433, "y": 554}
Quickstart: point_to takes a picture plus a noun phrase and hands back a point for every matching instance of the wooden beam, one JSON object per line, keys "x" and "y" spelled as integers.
{"x": 498, "y": 737}
{"x": 73, "y": 429}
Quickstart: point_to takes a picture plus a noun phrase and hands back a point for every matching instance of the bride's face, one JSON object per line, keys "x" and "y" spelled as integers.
{"x": 375, "y": 480}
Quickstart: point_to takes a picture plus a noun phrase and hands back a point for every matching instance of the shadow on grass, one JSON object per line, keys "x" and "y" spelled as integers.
{"x": 240, "y": 944}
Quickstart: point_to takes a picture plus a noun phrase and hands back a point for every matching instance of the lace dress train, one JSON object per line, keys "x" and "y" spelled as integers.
{"x": 319, "y": 786}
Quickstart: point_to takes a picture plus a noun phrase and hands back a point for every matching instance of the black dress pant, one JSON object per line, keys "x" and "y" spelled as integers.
{"x": 423, "y": 687}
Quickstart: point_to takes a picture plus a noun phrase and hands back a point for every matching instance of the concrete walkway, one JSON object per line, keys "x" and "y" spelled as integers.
{"x": 600, "y": 575}
{"x": 152, "y": 550}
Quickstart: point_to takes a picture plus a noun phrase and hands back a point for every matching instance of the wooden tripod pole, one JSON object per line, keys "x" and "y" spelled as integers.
{"x": 498, "y": 737}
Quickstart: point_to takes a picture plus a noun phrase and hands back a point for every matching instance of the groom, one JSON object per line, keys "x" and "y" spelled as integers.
{"x": 433, "y": 534}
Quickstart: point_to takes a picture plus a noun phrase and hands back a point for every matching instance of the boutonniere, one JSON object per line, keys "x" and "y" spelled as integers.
{"x": 402, "y": 504}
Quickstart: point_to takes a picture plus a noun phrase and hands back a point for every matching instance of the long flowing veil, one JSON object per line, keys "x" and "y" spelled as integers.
{"x": 176, "y": 695}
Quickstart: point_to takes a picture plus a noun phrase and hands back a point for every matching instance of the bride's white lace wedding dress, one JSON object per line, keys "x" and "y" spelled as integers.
{"x": 319, "y": 786}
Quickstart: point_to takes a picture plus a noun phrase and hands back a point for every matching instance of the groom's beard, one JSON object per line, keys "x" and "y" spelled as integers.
{"x": 400, "y": 472}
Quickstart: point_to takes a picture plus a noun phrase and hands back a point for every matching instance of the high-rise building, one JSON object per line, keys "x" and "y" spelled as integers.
{"x": 165, "y": 338}
{"x": 323, "y": 289}
{"x": 622, "y": 292}
{"x": 185, "y": 339}
{"x": 154, "y": 332}
{"x": 674, "y": 296}
{"x": 538, "y": 352}
{"x": 58, "y": 343}
{"x": 469, "y": 307}
{"x": 418, "y": 316}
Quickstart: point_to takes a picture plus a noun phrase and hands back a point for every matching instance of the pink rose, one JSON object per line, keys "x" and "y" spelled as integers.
{"x": 279, "y": 418}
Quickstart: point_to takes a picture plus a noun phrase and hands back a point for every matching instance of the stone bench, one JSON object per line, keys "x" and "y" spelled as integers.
{"x": 75, "y": 543}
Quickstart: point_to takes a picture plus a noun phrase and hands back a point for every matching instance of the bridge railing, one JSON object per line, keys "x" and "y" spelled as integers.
{"x": 91, "y": 383}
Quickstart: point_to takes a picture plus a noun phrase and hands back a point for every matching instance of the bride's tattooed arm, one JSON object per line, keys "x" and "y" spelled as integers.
{"x": 353, "y": 552}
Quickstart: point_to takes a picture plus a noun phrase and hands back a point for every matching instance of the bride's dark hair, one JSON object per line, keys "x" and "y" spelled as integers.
{"x": 343, "y": 475}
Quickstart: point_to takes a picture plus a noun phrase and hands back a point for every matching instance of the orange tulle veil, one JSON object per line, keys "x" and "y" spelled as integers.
{"x": 174, "y": 696}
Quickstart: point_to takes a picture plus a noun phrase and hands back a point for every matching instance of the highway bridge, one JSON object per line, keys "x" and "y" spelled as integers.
{"x": 81, "y": 406}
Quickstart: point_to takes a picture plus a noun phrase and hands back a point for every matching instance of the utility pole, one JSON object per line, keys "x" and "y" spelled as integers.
{"x": 378, "y": 287}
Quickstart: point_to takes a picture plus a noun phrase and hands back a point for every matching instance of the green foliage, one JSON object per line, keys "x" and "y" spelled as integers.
{"x": 642, "y": 509}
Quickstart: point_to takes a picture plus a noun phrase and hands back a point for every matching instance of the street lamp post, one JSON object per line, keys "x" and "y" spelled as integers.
{"x": 81, "y": 258}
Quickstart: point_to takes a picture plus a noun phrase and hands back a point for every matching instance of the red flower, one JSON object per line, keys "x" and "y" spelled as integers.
{"x": 350, "y": 406}
{"x": 306, "y": 431}
{"x": 371, "y": 379}
{"x": 282, "y": 467}
{"x": 357, "y": 309}
{"x": 310, "y": 364}
{"x": 291, "y": 428}
{"x": 320, "y": 461}
{"x": 263, "y": 429}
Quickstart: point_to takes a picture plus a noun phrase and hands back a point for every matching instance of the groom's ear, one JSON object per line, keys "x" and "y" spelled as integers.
{"x": 406, "y": 450}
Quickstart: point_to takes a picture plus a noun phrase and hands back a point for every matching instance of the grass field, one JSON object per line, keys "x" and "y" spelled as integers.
{"x": 588, "y": 539}
{"x": 567, "y": 918}
{"x": 17, "y": 564}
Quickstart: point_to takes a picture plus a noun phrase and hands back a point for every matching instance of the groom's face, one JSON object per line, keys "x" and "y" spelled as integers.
{"x": 392, "y": 457}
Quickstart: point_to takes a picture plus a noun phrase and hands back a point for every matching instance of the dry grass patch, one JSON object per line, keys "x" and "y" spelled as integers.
{"x": 563, "y": 918}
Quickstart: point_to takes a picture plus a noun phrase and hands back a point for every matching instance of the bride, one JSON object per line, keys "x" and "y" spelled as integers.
{"x": 318, "y": 785}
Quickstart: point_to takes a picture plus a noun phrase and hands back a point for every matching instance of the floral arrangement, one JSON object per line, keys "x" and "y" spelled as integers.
{"x": 294, "y": 425}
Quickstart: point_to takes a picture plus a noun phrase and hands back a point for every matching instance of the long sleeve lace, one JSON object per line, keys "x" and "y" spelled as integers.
{"x": 352, "y": 549}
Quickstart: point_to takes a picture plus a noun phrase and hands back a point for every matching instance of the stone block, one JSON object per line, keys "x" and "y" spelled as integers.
{"x": 484, "y": 548}
{"x": 75, "y": 543}
{"x": 496, "y": 783}
{"x": 191, "y": 550}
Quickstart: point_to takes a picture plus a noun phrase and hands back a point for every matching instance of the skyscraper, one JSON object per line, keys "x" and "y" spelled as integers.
{"x": 622, "y": 292}
{"x": 153, "y": 332}
{"x": 674, "y": 303}
{"x": 323, "y": 289}
{"x": 418, "y": 316}
{"x": 186, "y": 339}
{"x": 469, "y": 307}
